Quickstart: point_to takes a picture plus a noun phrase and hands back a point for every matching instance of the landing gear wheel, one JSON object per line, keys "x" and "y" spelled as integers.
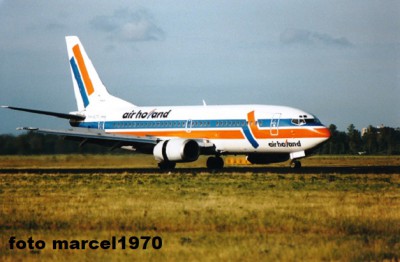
{"x": 166, "y": 165}
{"x": 295, "y": 164}
{"x": 215, "y": 163}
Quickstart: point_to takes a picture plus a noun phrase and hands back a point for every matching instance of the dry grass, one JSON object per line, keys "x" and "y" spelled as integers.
{"x": 147, "y": 161}
{"x": 76, "y": 161}
{"x": 206, "y": 217}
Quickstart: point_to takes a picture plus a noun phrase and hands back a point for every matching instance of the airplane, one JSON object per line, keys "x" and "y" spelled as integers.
{"x": 174, "y": 134}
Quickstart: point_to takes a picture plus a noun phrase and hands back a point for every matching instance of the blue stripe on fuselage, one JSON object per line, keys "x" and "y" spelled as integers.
{"x": 249, "y": 136}
{"x": 196, "y": 124}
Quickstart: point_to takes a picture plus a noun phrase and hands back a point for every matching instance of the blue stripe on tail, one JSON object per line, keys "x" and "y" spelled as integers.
{"x": 78, "y": 79}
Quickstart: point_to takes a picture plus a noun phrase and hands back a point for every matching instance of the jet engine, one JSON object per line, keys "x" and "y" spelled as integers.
{"x": 176, "y": 150}
{"x": 267, "y": 158}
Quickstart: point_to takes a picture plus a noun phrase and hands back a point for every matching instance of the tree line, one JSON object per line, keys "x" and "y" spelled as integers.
{"x": 33, "y": 143}
{"x": 373, "y": 140}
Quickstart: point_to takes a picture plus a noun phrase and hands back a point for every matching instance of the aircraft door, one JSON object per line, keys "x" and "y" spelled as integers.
{"x": 101, "y": 123}
{"x": 274, "y": 127}
{"x": 188, "y": 126}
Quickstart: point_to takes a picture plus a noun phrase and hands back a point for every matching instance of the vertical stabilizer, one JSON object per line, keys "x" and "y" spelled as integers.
{"x": 88, "y": 88}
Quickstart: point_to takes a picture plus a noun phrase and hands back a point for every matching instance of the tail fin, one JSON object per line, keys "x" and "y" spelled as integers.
{"x": 88, "y": 88}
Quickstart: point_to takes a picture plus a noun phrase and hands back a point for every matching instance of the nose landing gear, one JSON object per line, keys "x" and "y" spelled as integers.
{"x": 295, "y": 164}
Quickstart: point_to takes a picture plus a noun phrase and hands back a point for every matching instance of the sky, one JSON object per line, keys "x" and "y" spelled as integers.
{"x": 339, "y": 60}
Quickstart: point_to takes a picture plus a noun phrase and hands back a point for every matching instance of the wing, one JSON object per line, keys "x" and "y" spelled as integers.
{"x": 99, "y": 137}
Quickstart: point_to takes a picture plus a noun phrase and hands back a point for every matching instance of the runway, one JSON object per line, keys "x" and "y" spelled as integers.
{"x": 273, "y": 170}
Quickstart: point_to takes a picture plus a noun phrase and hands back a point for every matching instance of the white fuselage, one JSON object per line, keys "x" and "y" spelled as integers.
{"x": 231, "y": 128}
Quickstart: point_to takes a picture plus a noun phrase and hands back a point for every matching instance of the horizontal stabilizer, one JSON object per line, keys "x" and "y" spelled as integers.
{"x": 48, "y": 113}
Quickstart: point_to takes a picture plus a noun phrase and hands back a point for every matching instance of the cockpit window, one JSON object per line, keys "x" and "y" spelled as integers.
{"x": 303, "y": 119}
{"x": 299, "y": 121}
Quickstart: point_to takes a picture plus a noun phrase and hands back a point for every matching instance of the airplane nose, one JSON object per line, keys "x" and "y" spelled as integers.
{"x": 326, "y": 133}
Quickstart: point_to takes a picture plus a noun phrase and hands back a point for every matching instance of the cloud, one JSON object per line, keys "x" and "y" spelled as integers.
{"x": 55, "y": 26}
{"x": 307, "y": 38}
{"x": 129, "y": 26}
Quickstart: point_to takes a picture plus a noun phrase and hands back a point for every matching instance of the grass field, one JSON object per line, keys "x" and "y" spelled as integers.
{"x": 203, "y": 216}
{"x": 147, "y": 161}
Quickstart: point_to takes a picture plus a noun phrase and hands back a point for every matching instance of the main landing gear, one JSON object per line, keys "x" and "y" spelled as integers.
{"x": 215, "y": 162}
{"x": 166, "y": 165}
{"x": 295, "y": 164}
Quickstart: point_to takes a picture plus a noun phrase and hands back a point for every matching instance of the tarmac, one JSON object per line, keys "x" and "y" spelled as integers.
{"x": 239, "y": 169}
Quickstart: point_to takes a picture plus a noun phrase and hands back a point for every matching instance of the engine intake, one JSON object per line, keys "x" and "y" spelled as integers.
{"x": 177, "y": 150}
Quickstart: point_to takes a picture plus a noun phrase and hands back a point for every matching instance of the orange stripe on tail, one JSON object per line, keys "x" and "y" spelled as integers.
{"x": 82, "y": 68}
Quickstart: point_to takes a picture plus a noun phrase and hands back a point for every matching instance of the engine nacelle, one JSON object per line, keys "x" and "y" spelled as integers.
{"x": 177, "y": 150}
{"x": 267, "y": 158}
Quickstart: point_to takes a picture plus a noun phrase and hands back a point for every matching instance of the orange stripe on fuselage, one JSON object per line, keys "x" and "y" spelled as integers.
{"x": 253, "y": 126}
{"x": 83, "y": 69}
{"x": 304, "y": 132}
{"x": 234, "y": 134}
{"x": 206, "y": 134}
